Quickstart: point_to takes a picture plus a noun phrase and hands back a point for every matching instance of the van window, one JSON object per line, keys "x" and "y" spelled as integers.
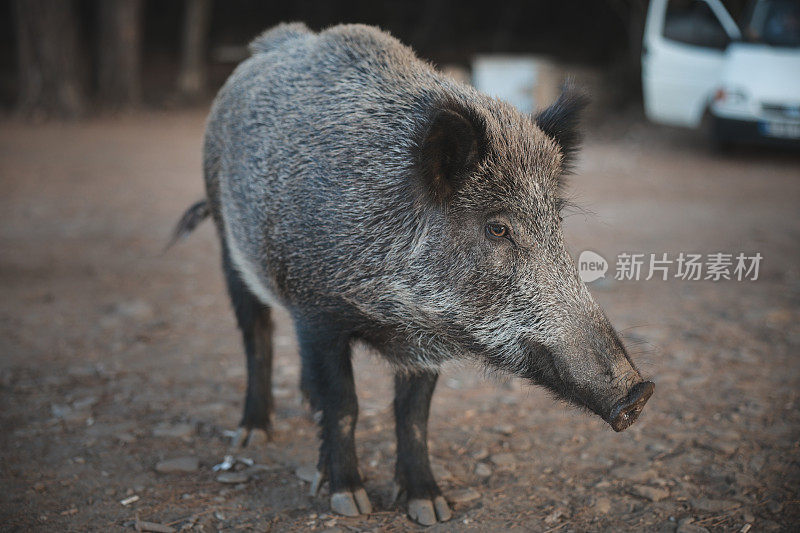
{"x": 774, "y": 22}
{"x": 692, "y": 22}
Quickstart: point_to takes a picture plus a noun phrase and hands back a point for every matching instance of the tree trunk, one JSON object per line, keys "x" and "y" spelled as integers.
{"x": 192, "y": 76}
{"x": 627, "y": 75}
{"x": 119, "y": 52}
{"x": 50, "y": 81}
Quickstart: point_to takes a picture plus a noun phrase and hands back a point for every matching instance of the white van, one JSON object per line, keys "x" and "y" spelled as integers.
{"x": 697, "y": 62}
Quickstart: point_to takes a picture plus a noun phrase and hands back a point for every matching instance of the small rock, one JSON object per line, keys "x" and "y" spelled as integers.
{"x": 504, "y": 459}
{"x": 279, "y": 426}
{"x": 173, "y": 431}
{"x": 463, "y": 495}
{"x": 503, "y": 429}
{"x": 774, "y": 506}
{"x": 256, "y": 469}
{"x": 141, "y": 525}
{"x": 481, "y": 454}
{"x": 769, "y": 525}
{"x": 440, "y": 472}
{"x": 654, "y": 494}
{"x": 84, "y": 403}
{"x": 726, "y": 448}
{"x": 779, "y": 317}
{"x": 635, "y": 474}
{"x": 233, "y": 478}
{"x": 211, "y": 408}
{"x": 508, "y": 400}
{"x": 685, "y": 526}
{"x": 306, "y": 472}
{"x": 70, "y": 414}
{"x": 483, "y": 470}
{"x": 658, "y": 447}
{"x": 453, "y": 383}
{"x": 602, "y": 505}
{"x": 712, "y": 506}
{"x": 133, "y": 309}
{"x": 283, "y": 392}
{"x": 178, "y": 465}
{"x": 82, "y": 371}
{"x": 728, "y": 435}
{"x": 758, "y": 461}
{"x": 125, "y": 437}
{"x": 554, "y": 517}
{"x": 665, "y": 527}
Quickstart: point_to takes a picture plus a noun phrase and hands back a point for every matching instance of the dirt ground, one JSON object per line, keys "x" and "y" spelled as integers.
{"x": 116, "y": 356}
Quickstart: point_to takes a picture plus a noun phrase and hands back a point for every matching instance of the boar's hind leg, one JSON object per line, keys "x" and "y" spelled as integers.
{"x": 255, "y": 324}
{"x": 413, "y": 475}
{"x": 325, "y": 350}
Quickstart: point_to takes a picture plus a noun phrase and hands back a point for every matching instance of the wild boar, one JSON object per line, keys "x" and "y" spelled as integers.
{"x": 380, "y": 201}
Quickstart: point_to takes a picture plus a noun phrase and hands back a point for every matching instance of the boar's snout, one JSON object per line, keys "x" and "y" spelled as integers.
{"x": 627, "y": 410}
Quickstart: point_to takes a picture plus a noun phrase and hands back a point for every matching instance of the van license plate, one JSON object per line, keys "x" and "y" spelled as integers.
{"x": 784, "y": 130}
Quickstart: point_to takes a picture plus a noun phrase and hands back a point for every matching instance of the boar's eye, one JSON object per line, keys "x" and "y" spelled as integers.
{"x": 497, "y": 231}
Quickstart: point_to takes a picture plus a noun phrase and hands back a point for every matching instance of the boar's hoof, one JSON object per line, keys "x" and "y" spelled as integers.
{"x": 351, "y": 503}
{"x": 241, "y": 438}
{"x": 442, "y": 509}
{"x": 316, "y": 483}
{"x": 397, "y": 491}
{"x": 427, "y": 512}
{"x": 362, "y": 500}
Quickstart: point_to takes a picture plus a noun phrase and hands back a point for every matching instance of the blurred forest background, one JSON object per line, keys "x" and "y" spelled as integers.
{"x": 70, "y": 58}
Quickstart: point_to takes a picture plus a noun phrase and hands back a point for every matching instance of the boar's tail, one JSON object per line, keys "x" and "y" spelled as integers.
{"x": 277, "y": 36}
{"x": 192, "y": 218}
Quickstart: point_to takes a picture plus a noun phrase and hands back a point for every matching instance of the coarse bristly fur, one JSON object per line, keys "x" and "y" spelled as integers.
{"x": 356, "y": 186}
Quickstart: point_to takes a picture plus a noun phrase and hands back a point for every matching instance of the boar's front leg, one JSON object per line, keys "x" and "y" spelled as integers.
{"x": 328, "y": 374}
{"x": 253, "y": 318}
{"x": 413, "y": 474}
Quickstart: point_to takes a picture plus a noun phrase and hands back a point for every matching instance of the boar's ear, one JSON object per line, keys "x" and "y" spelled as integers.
{"x": 561, "y": 121}
{"x": 451, "y": 144}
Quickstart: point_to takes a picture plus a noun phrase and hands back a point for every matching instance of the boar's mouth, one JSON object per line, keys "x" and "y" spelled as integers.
{"x": 619, "y": 414}
{"x": 627, "y": 410}
{"x": 539, "y": 367}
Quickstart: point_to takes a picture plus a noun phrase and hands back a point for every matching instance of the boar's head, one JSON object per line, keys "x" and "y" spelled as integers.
{"x": 495, "y": 179}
